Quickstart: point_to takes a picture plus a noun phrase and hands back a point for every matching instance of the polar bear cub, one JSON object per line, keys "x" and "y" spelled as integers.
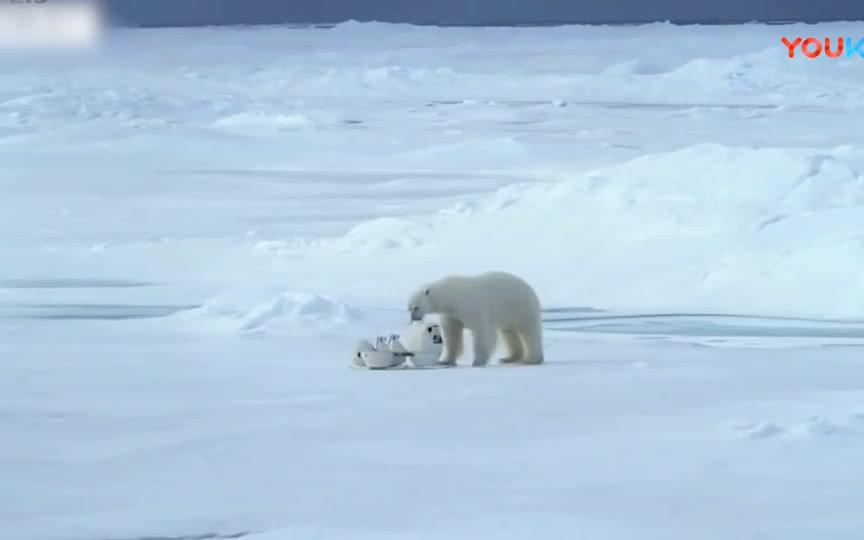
{"x": 493, "y": 306}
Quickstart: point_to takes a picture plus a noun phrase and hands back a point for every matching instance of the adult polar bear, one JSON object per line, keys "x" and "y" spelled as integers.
{"x": 492, "y": 306}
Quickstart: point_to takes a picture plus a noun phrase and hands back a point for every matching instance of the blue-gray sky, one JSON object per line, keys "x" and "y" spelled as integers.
{"x": 203, "y": 12}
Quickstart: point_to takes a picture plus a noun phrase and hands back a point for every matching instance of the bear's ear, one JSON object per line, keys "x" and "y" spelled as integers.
{"x": 427, "y": 292}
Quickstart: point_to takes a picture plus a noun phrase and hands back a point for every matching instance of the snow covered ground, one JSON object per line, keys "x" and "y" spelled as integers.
{"x": 197, "y": 225}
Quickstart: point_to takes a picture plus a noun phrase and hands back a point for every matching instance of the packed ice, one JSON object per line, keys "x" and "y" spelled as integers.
{"x": 198, "y": 225}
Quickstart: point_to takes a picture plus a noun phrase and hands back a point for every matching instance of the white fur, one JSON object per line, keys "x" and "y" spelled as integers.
{"x": 495, "y": 307}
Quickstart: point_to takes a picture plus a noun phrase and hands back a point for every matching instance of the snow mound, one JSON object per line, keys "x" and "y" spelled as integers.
{"x": 766, "y": 73}
{"x": 379, "y": 234}
{"x": 281, "y": 312}
{"x": 636, "y": 66}
{"x": 756, "y": 430}
{"x": 813, "y": 428}
{"x": 707, "y": 228}
{"x": 818, "y": 427}
{"x": 256, "y": 122}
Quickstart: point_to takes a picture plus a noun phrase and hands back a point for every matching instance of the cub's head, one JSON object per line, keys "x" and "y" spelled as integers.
{"x": 422, "y": 303}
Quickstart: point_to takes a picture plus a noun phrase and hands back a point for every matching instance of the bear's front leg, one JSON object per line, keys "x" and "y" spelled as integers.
{"x": 484, "y": 345}
{"x": 447, "y": 358}
{"x": 451, "y": 333}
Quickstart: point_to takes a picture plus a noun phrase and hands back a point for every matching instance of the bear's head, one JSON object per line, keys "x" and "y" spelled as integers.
{"x": 422, "y": 303}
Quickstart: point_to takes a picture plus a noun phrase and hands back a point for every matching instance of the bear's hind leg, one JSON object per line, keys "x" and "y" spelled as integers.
{"x": 533, "y": 339}
{"x": 515, "y": 350}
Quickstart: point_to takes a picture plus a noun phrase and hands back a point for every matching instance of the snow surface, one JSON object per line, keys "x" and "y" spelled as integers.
{"x": 198, "y": 224}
